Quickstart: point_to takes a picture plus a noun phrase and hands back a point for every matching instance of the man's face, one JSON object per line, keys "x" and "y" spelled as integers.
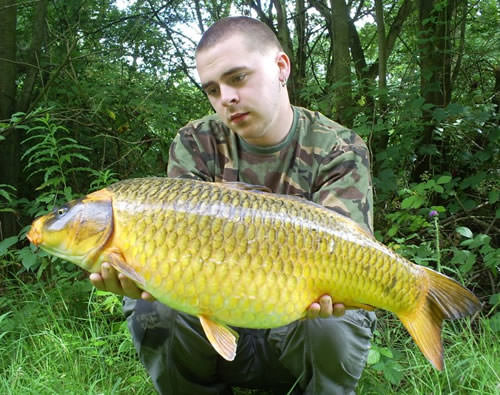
{"x": 243, "y": 86}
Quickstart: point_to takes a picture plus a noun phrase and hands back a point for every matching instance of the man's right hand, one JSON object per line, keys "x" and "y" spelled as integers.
{"x": 112, "y": 281}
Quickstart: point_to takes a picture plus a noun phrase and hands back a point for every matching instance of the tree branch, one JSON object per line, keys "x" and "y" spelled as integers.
{"x": 185, "y": 67}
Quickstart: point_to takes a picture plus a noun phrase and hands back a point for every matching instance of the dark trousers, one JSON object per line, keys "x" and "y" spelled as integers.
{"x": 323, "y": 356}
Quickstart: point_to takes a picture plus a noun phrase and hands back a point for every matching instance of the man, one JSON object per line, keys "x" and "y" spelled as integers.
{"x": 257, "y": 137}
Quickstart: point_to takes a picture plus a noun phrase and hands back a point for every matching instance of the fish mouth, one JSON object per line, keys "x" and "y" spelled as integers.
{"x": 34, "y": 235}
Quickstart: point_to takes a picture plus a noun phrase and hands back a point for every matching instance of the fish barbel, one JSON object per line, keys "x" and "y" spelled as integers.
{"x": 233, "y": 255}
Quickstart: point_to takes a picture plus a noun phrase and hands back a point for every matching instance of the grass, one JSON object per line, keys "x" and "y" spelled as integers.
{"x": 56, "y": 342}
{"x": 472, "y": 361}
{"x": 63, "y": 337}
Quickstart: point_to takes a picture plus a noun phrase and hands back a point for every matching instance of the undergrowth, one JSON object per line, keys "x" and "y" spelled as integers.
{"x": 58, "y": 339}
{"x": 61, "y": 336}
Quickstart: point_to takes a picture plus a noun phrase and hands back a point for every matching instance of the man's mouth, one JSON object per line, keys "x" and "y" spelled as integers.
{"x": 238, "y": 117}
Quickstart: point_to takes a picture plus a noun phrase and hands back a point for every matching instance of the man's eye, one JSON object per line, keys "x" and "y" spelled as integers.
{"x": 211, "y": 91}
{"x": 239, "y": 77}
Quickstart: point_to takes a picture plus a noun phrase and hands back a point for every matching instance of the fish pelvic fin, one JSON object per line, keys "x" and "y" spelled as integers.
{"x": 445, "y": 299}
{"x": 221, "y": 337}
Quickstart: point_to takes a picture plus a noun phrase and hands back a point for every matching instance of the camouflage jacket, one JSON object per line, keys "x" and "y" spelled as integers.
{"x": 319, "y": 160}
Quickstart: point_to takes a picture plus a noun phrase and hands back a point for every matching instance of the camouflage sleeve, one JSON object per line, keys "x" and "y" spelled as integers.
{"x": 189, "y": 157}
{"x": 344, "y": 183}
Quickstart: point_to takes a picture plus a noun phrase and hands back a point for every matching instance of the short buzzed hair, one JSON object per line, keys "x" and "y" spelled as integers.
{"x": 256, "y": 31}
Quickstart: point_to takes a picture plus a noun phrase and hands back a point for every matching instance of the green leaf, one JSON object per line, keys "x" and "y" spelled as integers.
{"x": 463, "y": 259}
{"x": 493, "y": 196}
{"x": 495, "y": 322}
{"x": 5, "y": 195}
{"x": 386, "y": 352}
{"x": 68, "y": 193}
{"x": 474, "y": 180}
{"x": 478, "y": 241}
{"x": 393, "y": 372}
{"x": 28, "y": 258}
{"x": 373, "y": 357}
{"x": 444, "y": 180}
{"x": 6, "y": 243}
{"x": 414, "y": 201}
{"x": 393, "y": 230}
{"x": 494, "y": 299}
{"x": 464, "y": 231}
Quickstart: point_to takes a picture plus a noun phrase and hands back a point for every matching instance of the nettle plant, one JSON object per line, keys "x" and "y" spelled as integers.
{"x": 53, "y": 154}
{"x": 51, "y": 157}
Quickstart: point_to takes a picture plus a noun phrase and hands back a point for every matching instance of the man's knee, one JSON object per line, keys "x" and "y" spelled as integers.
{"x": 330, "y": 353}
{"x": 173, "y": 349}
{"x": 341, "y": 345}
{"x": 149, "y": 323}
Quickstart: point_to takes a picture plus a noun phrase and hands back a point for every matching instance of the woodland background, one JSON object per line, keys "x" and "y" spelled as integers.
{"x": 94, "y": 91}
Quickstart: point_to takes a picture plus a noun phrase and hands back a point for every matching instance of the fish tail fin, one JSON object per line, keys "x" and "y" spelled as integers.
{"x": 445, "y": 299}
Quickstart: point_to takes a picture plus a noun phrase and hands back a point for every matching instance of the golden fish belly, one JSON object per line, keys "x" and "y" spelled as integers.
{"x": 252, "y": 259}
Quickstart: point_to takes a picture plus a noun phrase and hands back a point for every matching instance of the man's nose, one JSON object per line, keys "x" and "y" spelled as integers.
{"x": 229, "y": 95}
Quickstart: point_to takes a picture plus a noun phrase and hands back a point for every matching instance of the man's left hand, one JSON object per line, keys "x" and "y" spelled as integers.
{"x": 325, "y": 307}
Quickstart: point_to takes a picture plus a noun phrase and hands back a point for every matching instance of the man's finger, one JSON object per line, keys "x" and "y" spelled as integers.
{"x": 129, "y": 288}
{"x": 147, "y": 296}
{"x": 326, "y": 306}
{"x": 97, "y": 281}
{"x": 110, "y": 278}
{"x": 338, "y": 309}
{"x": 313, "y": 310}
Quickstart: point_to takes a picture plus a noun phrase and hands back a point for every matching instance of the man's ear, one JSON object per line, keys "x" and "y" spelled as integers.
{"x": 284, "y": 65}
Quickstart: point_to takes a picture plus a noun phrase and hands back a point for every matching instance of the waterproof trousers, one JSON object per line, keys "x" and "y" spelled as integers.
{"x": 320, "y": 356}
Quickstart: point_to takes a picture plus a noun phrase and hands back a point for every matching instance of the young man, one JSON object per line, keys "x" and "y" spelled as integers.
{"x": 257, "y": 137}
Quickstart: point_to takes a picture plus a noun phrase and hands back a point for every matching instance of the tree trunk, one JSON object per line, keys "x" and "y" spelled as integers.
{"x": 496, "y": 89}
{"x": 381, "y": 138}
{"x": 382, "y": 51}
{"x": 435, "y": 70}
{"x": 365, "y": 73}
{"x": 285, "y": 39}
{"x": 300, "y": 54}
{"x": 33, "y": 59}
{"x": 343, "y": 101}
{"x": 7, "y": 58}
{"x": 9, "y": 148}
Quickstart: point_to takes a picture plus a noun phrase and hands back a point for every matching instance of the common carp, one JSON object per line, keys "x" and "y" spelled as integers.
{"x": 234, "y": 255}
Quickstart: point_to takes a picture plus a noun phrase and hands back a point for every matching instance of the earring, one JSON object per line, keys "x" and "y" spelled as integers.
{"x": 283, "y": 82}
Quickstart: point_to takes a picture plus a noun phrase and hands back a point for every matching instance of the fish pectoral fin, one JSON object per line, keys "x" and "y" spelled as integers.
{"x": 221, "y": 337}
{"x": 118, "y": 262}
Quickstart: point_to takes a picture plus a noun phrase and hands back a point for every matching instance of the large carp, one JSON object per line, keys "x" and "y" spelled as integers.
{"x": 233, "y": 255}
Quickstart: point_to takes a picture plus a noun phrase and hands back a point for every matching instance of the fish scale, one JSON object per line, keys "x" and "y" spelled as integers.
{"x": 236, "y": 256}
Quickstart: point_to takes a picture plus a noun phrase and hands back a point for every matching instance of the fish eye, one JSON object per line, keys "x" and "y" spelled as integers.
{"x": 61, "y": 211}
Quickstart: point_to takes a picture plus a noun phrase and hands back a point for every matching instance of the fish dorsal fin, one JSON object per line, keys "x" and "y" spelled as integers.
{"x": 221, "y": 337}
{"x": 118, "y": 262}
{"x": 243, "y": 186}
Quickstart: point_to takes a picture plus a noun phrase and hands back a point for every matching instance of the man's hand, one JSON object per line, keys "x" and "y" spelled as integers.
{"x": 111, "y": 281}
{"x": 324, "y": 308}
